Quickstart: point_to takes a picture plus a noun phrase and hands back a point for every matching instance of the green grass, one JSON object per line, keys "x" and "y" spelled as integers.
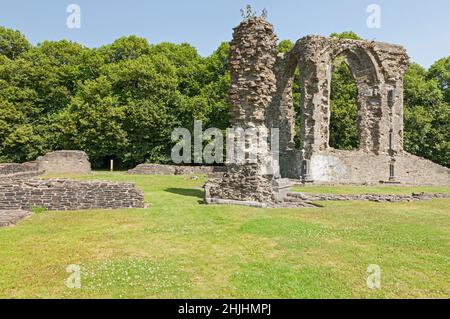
{"x": 180, "y": 248}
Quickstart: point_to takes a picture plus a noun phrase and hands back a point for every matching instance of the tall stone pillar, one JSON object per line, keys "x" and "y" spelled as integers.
{"x": 253, "y": 84}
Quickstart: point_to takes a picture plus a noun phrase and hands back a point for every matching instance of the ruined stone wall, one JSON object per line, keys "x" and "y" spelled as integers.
{"x": 378, "y": 70}
{"x": 157, "y": 169}
{"x": 13, "y": 169}
{"x": 358, "y": 167}
{"x": 280, "y": 113}
{"x": 240, "y": 184}
{"x": 65, "y": 162}
{"x": 22, "y": 175}
{"x": 379, "y": 198}
{"x": 261, "y": 96}
{"x": 76, "y": 162}
{"x": 253, "y": 54}
{"x": 59, "y": 194}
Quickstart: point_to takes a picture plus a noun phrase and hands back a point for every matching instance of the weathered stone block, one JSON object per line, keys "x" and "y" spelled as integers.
{"x": 65, "y": 162}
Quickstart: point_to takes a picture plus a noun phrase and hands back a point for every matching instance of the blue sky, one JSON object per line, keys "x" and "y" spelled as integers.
{"x": 423, "y": 27}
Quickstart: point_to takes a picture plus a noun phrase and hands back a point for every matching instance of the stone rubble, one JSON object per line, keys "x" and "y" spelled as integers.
{"x": 11, "y": 217}
{"x": 380, "y": 198}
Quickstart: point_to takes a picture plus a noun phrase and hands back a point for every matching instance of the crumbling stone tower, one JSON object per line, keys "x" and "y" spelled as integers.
{"x": 253, "y": 54}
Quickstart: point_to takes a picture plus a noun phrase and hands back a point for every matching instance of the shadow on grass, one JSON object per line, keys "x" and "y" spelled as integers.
{"x": 191, "y": 192}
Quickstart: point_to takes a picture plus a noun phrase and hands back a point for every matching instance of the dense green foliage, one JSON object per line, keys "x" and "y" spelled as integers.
{"x": 120, "y": 101}
{"x": 123, "y": 100}
{"x": 427, "y": 112}
{"x": 343, "y": 130}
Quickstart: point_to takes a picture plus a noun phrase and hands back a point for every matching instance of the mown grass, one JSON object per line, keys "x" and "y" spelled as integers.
{"x": 180, "y": 248}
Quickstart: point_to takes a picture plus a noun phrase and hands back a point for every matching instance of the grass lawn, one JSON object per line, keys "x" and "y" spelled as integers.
{"x": 179, "y": 248}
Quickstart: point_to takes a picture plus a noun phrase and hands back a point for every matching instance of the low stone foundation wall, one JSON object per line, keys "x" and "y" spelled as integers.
{"x": 157, "y": 169}
{"x": 390, "y": 198}
{"x": 22, "y": 175}
{"x": 13, "y": 169}
{"x": 60, "y": 194}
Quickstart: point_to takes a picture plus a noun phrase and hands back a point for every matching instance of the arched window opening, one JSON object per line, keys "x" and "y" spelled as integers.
{"x": 343, "y": 121}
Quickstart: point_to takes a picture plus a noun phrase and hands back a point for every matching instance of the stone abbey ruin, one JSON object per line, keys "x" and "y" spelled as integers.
{"x": 261, "y": 97}
{"x": 378, "y": 70}
{"x": 261, "y": 101}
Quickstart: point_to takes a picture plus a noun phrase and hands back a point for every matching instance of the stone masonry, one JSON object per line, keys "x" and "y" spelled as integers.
{"x": 65, "y": 162}
{"x": 13, "y": 170}
{"x": 58, "y": 162}
{"x": 379, "y": 198}
{"x": 378, "y": 69}
{"x": 157, "y": 169}
{"x": 261, "y": 97}
{"x": 253, "y": 55}
{"x": 60, "y": 194}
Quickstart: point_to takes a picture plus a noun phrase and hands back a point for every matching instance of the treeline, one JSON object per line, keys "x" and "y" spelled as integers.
{"x": 122, "y": 101}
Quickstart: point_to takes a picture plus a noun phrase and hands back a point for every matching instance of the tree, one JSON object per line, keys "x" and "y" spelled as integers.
{"x": 96, "y": 118}
{"x": 189, "y": 65}
{"x": 285, "y": 46}
{"x": 146, "y": 88}
{"x": 346, "y": 35}
{"x": 427, "y": 115}
{"x": 217, "y": 82}
{"x": 418, "y": 90}
{"x": 125, "y": 48}
{"x": 12, "y": 43}
{"x": 22, "y": 144}
{"x": 10, "y": 117}
{"x": 440, "y": 71}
